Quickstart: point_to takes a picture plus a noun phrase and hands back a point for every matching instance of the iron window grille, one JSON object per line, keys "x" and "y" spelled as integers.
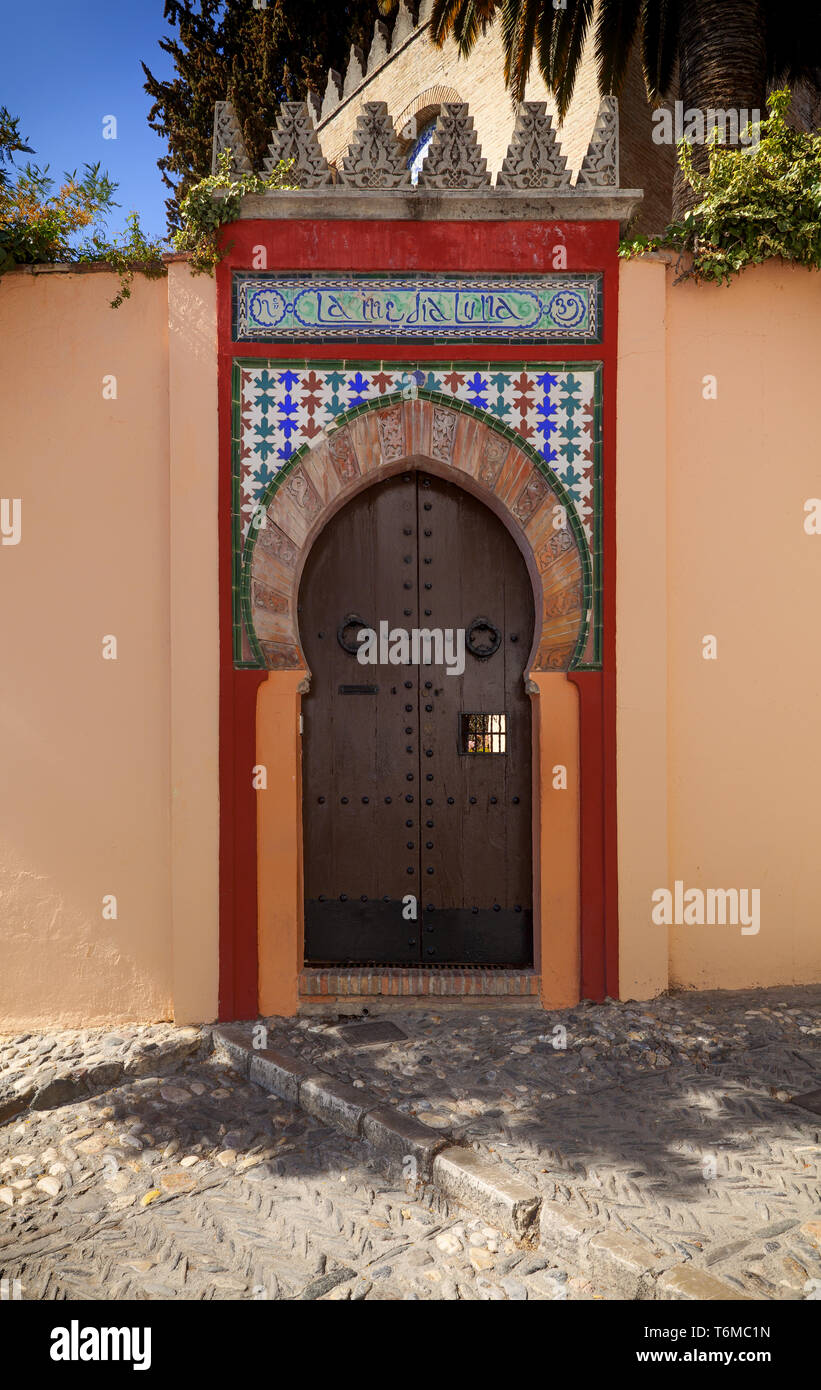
{"x": 482, "y": 733}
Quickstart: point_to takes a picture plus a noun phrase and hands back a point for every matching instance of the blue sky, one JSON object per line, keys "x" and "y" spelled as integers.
{"x": 66, "y": 64}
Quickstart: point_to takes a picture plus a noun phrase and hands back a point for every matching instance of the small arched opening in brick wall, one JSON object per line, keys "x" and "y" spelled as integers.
{"x": 469, "y": 448}
{"x": 421, "y": 112}
{"x": 462, "y": 444}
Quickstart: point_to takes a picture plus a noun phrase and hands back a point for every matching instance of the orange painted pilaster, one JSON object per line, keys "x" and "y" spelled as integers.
{"x": 556, "y": 837}
{"x": 279, "y": 843}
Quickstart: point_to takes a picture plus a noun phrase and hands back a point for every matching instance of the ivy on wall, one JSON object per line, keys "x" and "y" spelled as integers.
{"x": 214, "y": 202}
{"x": 756, "y": 202}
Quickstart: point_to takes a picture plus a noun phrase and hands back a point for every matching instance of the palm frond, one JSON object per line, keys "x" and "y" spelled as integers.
{"x": 520, "y": 21}
{"x": 616, "y": 26}
{"x": 545, "y": 41}
{"x": 463, "y": 20}
{"x": 570, "y": 32}
{"x": 660, "y": 22}
{"x": 474, "y": 19}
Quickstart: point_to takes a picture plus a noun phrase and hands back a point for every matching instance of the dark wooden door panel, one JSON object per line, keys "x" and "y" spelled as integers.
{"x": 354, "y": 759}
{"x": 393, "y": 804}
{"x": 476, "y": 861}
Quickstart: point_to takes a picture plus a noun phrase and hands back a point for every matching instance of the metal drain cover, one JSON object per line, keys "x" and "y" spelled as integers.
{"x": 366, "y": 1034}
{"x": 811, "y": 1100}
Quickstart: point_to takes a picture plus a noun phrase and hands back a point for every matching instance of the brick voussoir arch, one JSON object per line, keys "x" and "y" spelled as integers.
{"x": 458, "y": 442}
{"x": 425, "y": 105}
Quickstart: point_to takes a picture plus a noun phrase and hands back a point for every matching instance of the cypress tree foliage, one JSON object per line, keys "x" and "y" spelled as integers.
{"x": 255, "y": 52}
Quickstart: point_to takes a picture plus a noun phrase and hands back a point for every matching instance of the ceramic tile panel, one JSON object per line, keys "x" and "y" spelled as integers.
{"x": 322, "y": 412}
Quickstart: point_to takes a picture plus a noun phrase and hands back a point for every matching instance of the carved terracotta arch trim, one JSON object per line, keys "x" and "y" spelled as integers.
{"x": 465, "y": 445}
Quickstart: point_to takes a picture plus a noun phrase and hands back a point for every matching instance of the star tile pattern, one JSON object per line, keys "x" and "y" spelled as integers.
{"x": 283, "y": 408}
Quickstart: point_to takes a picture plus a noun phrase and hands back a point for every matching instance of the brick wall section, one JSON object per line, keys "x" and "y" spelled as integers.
{"x": 419, "y": 75}
{"x": 644, "y": 164}
{"x": 383, "y": 981}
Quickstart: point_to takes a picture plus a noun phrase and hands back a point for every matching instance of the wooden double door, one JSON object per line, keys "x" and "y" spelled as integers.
{"x": 416, "y": 773}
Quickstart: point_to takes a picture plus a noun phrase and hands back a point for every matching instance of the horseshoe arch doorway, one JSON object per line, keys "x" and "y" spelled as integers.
{"x": 416, "y": 766}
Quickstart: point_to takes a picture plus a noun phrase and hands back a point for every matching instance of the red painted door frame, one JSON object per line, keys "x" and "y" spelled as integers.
{"x": 521, "y": 247}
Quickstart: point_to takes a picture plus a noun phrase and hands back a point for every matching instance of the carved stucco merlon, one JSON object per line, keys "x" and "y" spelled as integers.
{"x": 355, "y": 73}
{"x": 534, "y": 175}
{"x": 228, "y": 136}
{"x": 380, "y": 47}
{"x": 404, "y": 26}
{"x": 600, "y": 166}
{"x": 534, "y": 158}
{"x": 295, "y": 142}
{"x": 375, "y": 159}
{"x": 454, "y": 159}
{"x": 384, "y": 46}
{"x": 333, "y": 94}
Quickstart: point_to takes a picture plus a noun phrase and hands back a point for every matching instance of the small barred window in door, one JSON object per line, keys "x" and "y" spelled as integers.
{"x": 483, "y": 733}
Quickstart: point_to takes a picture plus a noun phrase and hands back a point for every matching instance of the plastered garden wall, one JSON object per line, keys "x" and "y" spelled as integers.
{"x": 740, "y": 741}
{"x": 109, "y": 766}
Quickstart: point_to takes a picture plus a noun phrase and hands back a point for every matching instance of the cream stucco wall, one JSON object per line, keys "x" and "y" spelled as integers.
{"x": 641, "y": 624}
{"x": 734, "y": 803}
{"x": 109, "y": 766}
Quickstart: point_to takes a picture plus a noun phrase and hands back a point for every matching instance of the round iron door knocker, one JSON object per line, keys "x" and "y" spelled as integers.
{"x": 491, "y": 643}
{"x": 352, "y": 620}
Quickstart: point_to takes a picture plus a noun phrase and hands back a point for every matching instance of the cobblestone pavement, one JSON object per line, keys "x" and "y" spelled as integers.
{"x": 200, "y": 1186}
{"x": 40, "y": 1070}
{"x": 671, "y": 1121}
{"x": 142, "y": 1169}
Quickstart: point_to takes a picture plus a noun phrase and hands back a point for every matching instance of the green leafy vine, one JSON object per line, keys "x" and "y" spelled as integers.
{"x": 757, "y": 202}
{"x": 214, "y": 202}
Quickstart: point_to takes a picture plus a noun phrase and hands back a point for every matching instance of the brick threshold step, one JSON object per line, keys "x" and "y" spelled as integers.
{"x": 323, "y": 982}
{"x": 622, "y": 1266}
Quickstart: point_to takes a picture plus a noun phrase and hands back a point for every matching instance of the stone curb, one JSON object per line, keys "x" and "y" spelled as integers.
{"x": 400, "y": 1137}
{"x": 625, "y": 1266}
{"x": 504, "y": 1201}
{"x": 630, "y": 1265}
{"x": 458, "y": 1173}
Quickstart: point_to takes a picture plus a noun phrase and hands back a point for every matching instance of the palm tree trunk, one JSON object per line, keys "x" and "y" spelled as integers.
{"x": 722, "y": 67}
